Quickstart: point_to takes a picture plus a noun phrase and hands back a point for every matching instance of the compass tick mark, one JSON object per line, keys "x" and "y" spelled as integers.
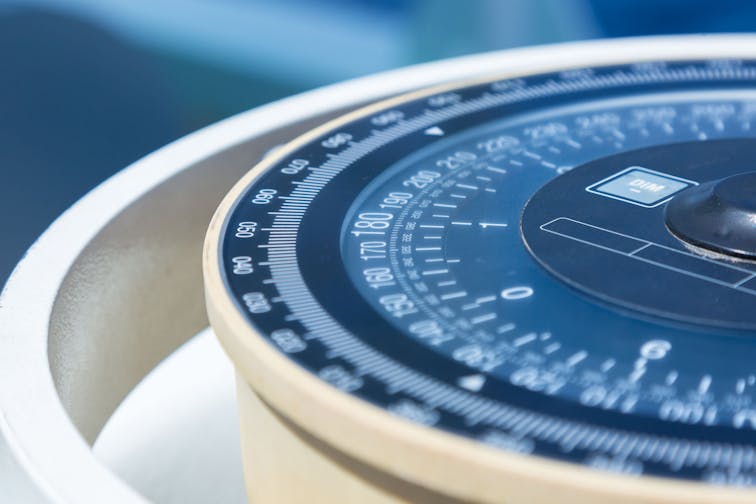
{"x": 524, "y": 340}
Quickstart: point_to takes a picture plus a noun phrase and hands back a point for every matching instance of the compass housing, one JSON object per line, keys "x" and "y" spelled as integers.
{"x": 296, "y": 342}
{"x": 112, "y": 288}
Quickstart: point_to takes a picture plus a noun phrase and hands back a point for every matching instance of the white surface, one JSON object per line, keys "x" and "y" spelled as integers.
{"x": 175, "y": 438}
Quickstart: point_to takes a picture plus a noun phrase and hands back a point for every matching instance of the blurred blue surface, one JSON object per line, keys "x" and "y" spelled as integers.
{"x": 88, "y": 86}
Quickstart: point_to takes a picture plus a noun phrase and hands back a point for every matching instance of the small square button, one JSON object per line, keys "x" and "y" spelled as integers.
{"x": 640, "y": 186}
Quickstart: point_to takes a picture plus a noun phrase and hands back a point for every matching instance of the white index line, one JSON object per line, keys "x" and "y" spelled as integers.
{"x": 576, "y": 358}
{"x": 435, "y": 272}
{"x": 524, "y": 340}
{"x": 454, "y": 295}
{"x": 704, "y": 385}
{"x": 737, "y": 285}
{"x": 496, "y": 170}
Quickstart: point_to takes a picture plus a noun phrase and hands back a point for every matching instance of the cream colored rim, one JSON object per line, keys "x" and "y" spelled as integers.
{"x": 444, "y": 462}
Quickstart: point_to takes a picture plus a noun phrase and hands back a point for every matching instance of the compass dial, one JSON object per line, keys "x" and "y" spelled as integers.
{"x": 496, "y": 261}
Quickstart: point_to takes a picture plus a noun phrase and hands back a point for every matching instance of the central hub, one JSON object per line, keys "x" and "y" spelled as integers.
{"x": 604, "y": 228}
{"x": 719, "y": 216}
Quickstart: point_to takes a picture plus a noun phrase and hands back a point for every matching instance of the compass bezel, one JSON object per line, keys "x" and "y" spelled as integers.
{"x": 431, "y": 458}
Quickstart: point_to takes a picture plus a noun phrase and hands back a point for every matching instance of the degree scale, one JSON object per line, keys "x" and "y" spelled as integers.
{"x": 535, "y": 281}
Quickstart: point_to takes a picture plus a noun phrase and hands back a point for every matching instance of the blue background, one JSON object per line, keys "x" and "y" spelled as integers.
{"x": 88, "y": 86}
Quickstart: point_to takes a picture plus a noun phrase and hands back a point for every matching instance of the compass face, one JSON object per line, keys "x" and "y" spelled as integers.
{"x": 495, "y": 261}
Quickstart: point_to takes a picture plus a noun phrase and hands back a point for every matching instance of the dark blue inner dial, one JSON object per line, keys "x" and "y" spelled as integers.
{"x": 387, "y": 258}
{"x": 608, "y": 215}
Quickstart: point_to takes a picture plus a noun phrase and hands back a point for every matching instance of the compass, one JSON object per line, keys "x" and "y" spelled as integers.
{"x": 529, "y": 280}
{"x": 511, "y": 289}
